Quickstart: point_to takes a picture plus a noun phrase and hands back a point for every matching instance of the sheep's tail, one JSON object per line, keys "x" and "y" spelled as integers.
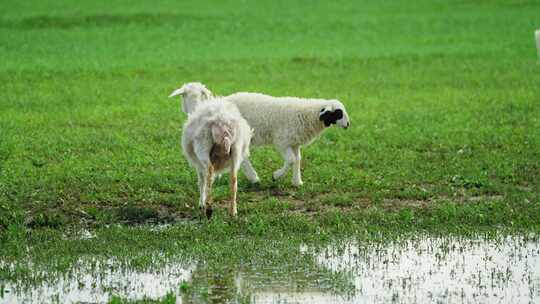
{"x": 222, "y": 135}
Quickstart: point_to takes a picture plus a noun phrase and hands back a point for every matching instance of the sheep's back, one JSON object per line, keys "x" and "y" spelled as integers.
{"x": 277, "y": 120}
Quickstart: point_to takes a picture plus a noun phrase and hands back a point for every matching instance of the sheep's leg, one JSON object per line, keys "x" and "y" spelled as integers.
{"x": 297, "y": 177}
{"x": 288, "y": 160}
{"x": 235, "y": 166}
{"x": 209, "y": 182}
{"x": 249, "y": 171}
{"x": 232, "y": 207}
{"x": 202, "y": 188}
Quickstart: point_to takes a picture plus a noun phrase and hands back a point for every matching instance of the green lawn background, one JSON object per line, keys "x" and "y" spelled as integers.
{"x": 443, "y": 95}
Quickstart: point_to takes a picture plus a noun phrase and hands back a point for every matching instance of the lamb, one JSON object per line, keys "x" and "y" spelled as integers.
{"x": 216, "y": 137}
{"x": 288, "y": 123}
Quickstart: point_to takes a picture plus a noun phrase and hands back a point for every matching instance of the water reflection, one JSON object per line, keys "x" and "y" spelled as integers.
{"x": 413, "y": 270}
{"x": 93, "y": 281}
{"x": 449, "y": 270}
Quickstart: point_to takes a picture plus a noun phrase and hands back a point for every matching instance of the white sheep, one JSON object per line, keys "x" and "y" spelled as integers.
{"x": 288, "y": 123}
{"x": 216, "y": 137}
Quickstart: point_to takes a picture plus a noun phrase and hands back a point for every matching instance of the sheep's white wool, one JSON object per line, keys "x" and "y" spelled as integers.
{"x": 285, "y": 122}
{"x": 216, "y": 137}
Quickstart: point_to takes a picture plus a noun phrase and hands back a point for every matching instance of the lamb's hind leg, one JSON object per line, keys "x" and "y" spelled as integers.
{"x": 297, "y": 176}
{"x": 249, "y": 171}
{"x": 288, "y": 159}
{"x": 206, "y": 178}
{"x": 235, "y": 166}
{"x": 234, "y": 187}
{"x": 202, "y": 188}
{"x": 209, "y": 182}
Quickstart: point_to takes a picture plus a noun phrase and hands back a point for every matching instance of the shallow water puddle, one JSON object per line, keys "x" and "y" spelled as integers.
{"x": 414, "y": 270}
{"x": 448, "y": 270}
{"x": 97, "y": 282}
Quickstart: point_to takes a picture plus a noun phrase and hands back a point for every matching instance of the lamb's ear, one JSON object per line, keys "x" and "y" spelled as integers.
{"x": 207, "y": 94}
{"x": 324, "y": 116}
{"x": 177, "y": 92}
{"x": 330, "y": 117}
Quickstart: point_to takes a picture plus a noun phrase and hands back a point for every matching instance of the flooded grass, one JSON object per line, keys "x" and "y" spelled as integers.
{"x": 97, "y": 281}
{"x": 415, "y": 269}
{"x": 441, "y": 269}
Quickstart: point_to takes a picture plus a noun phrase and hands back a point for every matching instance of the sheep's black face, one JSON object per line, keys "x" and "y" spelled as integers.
{"x": 330, "y": 117}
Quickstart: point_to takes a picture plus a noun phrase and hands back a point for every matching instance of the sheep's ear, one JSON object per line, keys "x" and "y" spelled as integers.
{"x": 330, "y": 117}
{"x": 324, "y": 116}
{"x": 206, "y": 93}
{"x": 177, "y": 92}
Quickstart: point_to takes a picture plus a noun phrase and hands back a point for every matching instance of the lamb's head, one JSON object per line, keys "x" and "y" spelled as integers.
{"x": 334, "y": 113}
{"x": 192, "y": 93}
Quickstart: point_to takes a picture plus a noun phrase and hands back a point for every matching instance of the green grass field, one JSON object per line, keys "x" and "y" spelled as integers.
{"x": 444, "y": 98}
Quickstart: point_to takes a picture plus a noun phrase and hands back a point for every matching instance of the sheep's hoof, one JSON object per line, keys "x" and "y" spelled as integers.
{"x": 297, "y": 183}
{"x": 255, "y": 181}
{"x": 209, "y": 212}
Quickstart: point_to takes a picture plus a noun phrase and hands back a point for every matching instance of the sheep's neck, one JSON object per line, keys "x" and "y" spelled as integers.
{"x": 312, "y": 127}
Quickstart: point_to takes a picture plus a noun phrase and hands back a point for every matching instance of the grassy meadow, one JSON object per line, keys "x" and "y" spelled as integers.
{"x": 444, "y": 100}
